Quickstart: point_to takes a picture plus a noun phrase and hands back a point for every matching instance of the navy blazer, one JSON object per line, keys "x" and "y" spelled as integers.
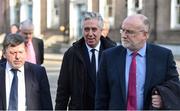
{"x": 111, "y": 88}
{"x": 36, "y": 84}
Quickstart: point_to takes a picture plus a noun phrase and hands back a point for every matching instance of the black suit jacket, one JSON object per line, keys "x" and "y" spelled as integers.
{"x": 36, "y": 84}
{"x": 38, "y": 45}
{"x": 111, "y": 88}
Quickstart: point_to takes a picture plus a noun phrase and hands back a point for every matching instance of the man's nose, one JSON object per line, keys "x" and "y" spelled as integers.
{"x": 90, "y": 32}
{"x": 123, "y": 34}
{"x": 17, "y": 55}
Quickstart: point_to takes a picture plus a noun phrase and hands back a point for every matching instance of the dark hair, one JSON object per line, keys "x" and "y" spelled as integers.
{"x": 16, "y": 25}
{"x": 12, "y": 40}
{"x": 92, "y": 15}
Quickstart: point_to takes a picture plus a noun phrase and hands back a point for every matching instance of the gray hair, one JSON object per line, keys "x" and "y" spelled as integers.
{"x": 27, "y": 25}
{"x": 92, "y": 15}
{"x": 147, "y": 24}
{"x": 12, "y": 40}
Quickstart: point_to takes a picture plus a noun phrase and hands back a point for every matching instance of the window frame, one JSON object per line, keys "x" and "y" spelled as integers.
{"x": 174, "y": 15}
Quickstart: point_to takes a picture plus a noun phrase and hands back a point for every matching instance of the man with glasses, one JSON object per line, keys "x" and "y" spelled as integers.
{"x": 35, "y": 46}
{"x": 77, "y": 79}
{"x": 128, "y": 73}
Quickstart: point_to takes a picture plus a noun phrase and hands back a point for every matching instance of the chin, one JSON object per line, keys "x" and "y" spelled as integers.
{"x": 91, "y": 44}
{"x": 17, "y": 65}
{"x": 125, "y": 45}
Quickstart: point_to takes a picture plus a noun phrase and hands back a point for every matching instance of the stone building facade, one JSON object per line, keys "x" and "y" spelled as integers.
{"x": 46, "y": 15}
{"x": 164, "y": 16}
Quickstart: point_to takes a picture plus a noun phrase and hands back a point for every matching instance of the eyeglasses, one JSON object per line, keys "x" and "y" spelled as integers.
{"x": 87, "y": 29}
{"x": 130, "y": 32}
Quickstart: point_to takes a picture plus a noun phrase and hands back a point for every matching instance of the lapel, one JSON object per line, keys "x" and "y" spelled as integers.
{"x": 28, "y": 82}
{"x": 35, "y": 46}
{"x": 34, "y": 43}
{"x": 149, "y": 69}
{"x": 121, "y": 63}
{"x": 100, "y": 52}
{"x": 3, "y": 85}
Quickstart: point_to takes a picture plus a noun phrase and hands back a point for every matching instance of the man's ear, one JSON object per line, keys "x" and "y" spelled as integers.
{"x": 146, "y": 35}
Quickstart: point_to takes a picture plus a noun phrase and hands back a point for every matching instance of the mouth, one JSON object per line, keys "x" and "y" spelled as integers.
{"x": 17, "y": 62}
{"x": 124, "y": 40}
{"x": 91, "y": 39}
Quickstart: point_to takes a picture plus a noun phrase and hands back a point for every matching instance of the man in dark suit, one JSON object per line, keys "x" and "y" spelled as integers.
{"x": 35, "y": 45}
{"x": 30, "y": 90}
{"x": 77, "y": 79}
{"x": 138, "y": 62}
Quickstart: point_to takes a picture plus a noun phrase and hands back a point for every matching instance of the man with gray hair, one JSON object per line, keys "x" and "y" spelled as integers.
{"x": 77, "y": 79}
{"x": 35, "y": 46}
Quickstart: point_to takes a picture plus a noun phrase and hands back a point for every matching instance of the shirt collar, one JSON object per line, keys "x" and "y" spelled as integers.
{"x": 9, "y": 67}
{"x": 141, "y": 52}
{"x": 97, "y": 47}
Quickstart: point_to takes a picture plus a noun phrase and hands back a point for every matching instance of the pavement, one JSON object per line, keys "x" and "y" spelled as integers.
{"x": 174, "y": 48}
{"x": 176, "y": 52}
{"x": 52, "y": 68}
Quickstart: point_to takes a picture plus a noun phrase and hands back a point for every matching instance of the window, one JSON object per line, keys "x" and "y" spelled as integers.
{"x": 138, "y": 6}
{"x": 134, "y": 6}
{"x": 53, "y": 12}
{"x": 178, "y": 11}
{"x": 175, "y": 14}
{"x": 109, "y": 8}
{"x": 14, "y": 11}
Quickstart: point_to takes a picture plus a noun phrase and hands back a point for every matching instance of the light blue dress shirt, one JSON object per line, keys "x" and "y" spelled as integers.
{"x": 140, "y": 74}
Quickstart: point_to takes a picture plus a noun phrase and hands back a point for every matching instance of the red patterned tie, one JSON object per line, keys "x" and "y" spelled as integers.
{"x": 131, "y": 98}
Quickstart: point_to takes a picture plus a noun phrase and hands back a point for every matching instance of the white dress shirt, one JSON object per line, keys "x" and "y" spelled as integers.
{"x": 97, "y": 48}
{"x": 21, "y": 86}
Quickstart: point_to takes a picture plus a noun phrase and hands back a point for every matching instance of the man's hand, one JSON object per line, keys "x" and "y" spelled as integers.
{"x": 156, "y": 100}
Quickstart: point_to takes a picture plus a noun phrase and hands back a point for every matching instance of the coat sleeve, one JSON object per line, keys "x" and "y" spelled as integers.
{"x": 63, "y": 88}
{"x": 170, "y": 94}
{"x": 41, "y": 46}
{"x": 169, "y": 89}
{"x": 45, "y": 95}
{"x": 172, "y": 73}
